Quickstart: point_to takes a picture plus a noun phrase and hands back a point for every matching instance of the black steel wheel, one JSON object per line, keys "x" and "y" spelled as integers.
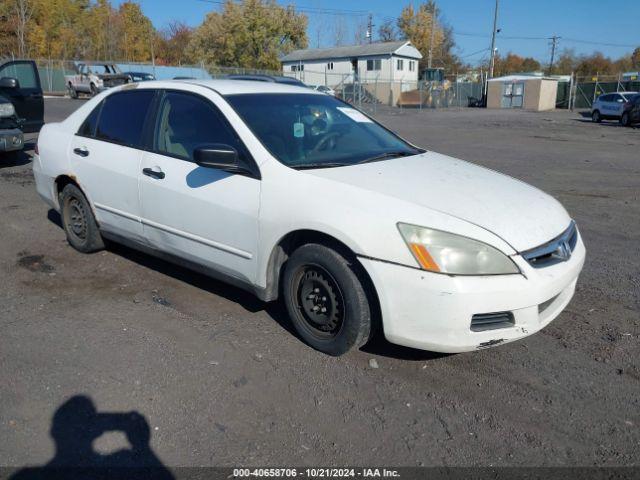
{"x": 319, "y": 301}
{"x": 326, "y": 300}
{"x": 625, "y": 119}
{"x": 596, "y": 117}
{"x": 78, "y": 221}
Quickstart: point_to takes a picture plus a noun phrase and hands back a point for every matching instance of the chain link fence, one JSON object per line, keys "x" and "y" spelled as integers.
{"x": 368, "y": 90}
{"x": 587, "y": 89}
{"x": 52, "y": 72}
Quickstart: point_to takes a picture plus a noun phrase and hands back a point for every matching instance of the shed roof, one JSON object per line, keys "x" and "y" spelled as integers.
{"x": 382, "y": 48}
{"x": 519, "y": 78}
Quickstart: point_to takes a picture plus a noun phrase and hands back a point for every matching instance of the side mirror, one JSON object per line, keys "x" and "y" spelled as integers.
{"x": 9, "y": 82}
{"x": 217, "y": 155}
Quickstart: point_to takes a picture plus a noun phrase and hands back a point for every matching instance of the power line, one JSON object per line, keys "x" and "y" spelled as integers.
{"x": 589, "y": 42}
{"x": 475, "y": 53}
{"x": 303, "y": 9}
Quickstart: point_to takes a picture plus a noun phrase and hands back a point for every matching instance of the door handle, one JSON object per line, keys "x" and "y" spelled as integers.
{"x": 154, "y": 172}
{"x": 83, "y": 152}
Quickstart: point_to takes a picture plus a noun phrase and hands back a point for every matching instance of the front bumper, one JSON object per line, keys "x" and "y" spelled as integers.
{"x": 433, "y": 311}
{"x": 11, "y": 140}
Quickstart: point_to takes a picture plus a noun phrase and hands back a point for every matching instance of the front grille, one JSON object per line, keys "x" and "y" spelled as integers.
{"x": 492, "y": 321}
{"x": 555, "y": 251}
{"x": 114, "y": 82}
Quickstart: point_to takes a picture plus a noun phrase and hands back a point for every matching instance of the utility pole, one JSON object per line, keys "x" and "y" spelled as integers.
{"x": 554, "y": 44}
{"x": 433, "y": 33}
{"x": 493, "y": 41}
{"x": 370, "y": 28}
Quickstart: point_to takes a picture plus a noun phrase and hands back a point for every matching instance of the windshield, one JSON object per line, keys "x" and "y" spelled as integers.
{"x": 102, "y": 69}
{"x": 314, "y": 131}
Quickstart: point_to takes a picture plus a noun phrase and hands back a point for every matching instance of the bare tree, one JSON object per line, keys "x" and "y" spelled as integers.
{"x": 23, "y": 10}
{"x": 387, "y": 32}
{"x": 339, "y": 32}
{"x": 360, "y": 33}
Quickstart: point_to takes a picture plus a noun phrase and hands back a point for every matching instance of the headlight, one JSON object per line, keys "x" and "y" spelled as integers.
{"x": 444, "y": 252}
{"x": 7, "y": 110}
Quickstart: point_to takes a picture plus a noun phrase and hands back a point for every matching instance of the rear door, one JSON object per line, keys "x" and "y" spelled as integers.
{"x": 27, "y": 98}
{"x": 106, "y": 154}
{"x": 205, "y": 215}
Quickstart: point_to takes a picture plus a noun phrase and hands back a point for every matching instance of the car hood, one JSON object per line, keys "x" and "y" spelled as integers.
{"x": 520, "y": 214}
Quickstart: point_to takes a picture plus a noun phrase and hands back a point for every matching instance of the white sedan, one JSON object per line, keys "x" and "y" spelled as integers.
{"x": 296, "y": 195}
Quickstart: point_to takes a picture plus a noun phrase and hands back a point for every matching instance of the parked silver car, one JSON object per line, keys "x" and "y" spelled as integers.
{"x": 609, "y": 106}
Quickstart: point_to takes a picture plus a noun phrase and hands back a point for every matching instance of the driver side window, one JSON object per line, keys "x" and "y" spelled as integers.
{"x": 23, "y": 72}
{"x": 186, "y": 122}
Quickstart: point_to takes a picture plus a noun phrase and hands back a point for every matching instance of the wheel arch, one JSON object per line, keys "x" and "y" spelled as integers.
{"x": 65, "y": 179}
{"x": 297, "y": 238}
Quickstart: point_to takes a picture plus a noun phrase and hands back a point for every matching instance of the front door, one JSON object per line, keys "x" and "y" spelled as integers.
{"x": 205, "y": 215}
{"x": 27, "y": 98}
{"x": 106, "y": 155}
{"x": 512, "y": 95}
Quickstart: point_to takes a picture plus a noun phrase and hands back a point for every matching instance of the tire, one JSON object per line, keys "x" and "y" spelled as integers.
{"x": 625, "y": 120}
{"x": 78, "y": 221}
{"x": 73, "y": 93}
{"x": 94, "y": 90}
{"x": 326, "y": 301}
{"x": 596, "y": 117}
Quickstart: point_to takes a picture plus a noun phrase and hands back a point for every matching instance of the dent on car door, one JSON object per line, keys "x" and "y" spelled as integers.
{"x": 105, "y": 155}
{"x": 205, "y": 215}
{"x": 27, "y": 97}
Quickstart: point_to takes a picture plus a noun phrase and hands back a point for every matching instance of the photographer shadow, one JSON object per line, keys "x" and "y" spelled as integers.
{"x": 76, "y": 425}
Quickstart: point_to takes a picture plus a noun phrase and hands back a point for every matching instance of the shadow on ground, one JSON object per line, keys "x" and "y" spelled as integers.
{"x": 17, "y": 159}
{"x": 276, "y": 310}
{"x": 75, "y": 426}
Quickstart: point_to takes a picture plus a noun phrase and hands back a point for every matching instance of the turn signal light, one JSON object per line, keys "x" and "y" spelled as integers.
{"x": 424, "y": 258}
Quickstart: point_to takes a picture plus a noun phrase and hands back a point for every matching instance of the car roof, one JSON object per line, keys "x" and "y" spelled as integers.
{"x": 231, "y": 87}
{"x": 260, "y": 77}
{"x": 621, "y": 93}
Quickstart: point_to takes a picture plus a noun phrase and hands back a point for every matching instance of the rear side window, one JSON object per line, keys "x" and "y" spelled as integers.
{"x": 88, "y": 128}
{"x": 123, "y": 116}
{"x": 186, "y": 122}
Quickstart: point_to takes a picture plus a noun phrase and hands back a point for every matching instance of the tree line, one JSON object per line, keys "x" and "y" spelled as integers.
{"x": 252, "y": 33}
{"x": 244, "y": 33}
{"x": 568, "y": 61}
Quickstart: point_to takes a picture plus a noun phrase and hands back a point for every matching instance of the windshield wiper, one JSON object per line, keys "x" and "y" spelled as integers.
{"x": 387, "y": 155}
{"x": 308, "y": 166}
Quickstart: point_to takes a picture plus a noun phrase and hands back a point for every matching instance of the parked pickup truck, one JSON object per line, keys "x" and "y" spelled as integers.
{"x": 93, "y": 78}
{"x": 21, "y": 103}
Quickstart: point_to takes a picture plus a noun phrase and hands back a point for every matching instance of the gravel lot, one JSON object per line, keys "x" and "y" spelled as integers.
{"x": 221, "y": 380}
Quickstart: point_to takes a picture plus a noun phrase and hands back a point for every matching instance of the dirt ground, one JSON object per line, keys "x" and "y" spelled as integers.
{"x": 220, "y": 378}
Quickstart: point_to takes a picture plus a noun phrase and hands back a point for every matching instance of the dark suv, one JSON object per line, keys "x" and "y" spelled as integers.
{"x": 21, "y": 103}
{"x": 631, "y": 111}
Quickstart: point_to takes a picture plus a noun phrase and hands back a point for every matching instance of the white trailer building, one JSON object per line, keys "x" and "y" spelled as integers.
{"x": 390, "y": 66}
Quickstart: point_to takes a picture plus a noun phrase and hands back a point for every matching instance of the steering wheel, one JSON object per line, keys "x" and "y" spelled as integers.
{"x": 324, "y": 142}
